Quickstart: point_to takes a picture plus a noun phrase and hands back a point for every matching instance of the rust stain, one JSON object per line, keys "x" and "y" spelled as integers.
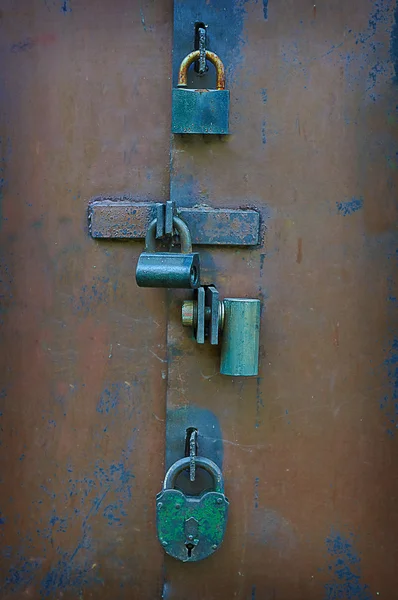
{"x": 194, "y": 56}
{"x": 314, "y": 11}
{"x": 299, "y": 256}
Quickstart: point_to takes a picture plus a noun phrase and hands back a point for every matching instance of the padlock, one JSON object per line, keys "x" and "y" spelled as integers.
{"x": 191, "y": 528}
{"x": 168, "y": 269}
{"x": 200, "y": 110}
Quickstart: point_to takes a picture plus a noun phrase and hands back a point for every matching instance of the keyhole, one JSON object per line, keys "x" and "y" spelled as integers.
{"x": 194, "y": 275}
{"x": 190, "y": 547}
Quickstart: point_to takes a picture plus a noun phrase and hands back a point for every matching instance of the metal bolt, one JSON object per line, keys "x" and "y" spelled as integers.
{"x": 178, "y": 506}
{"x": 189, "y": 313}
{"x": 160, "y": 504}
{"x": 219, "y": 500}
{"x": 214, "y": 546}
{"x": 190, "y": 537}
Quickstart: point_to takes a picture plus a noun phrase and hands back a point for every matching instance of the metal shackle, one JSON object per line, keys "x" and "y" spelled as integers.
{"x": 193, "y": 57}
{"x": 183, "y": 232}
{"x": 205, "y": 463}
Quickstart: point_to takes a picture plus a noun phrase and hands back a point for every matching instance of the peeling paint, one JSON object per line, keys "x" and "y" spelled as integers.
{"x": 344, "y": 569}
{"x": 348, "y": 207}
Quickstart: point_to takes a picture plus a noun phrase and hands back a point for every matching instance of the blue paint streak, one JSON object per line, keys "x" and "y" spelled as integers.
{"x": 73, "y": 571}
{"x": 394, "y": 45}
{"x": 389, "y": 403}
{"x": 264, "y": 132}
{"x": 350, "y": 206}
{"x": 23, "y": 46}
{"x": 91, "y": 297}
{"x": 345, "y": 570}
{"x": 265, "y": 9}
{"x": 115, "y": 398}
{"x": 66, "y": 7}
{"x": 256, "y": 484}
{"x": 264, "y": 94}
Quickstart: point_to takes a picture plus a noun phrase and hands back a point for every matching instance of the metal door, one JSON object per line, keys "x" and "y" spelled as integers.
{"x": 90, "y": 361}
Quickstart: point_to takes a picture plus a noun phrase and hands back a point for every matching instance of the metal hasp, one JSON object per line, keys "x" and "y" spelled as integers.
{"x": 117, "y": 217}
{"x": 203, "y": 111}
{"x": 168, "y": 269}
{"x": 235, "y": 320}
{"x": 191, "y": 528}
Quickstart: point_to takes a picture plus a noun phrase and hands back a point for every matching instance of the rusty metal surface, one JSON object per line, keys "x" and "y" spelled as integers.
{"x": 210, "y": 56}
{"x": 85, "y": 109}
{"x": 125, "y": 219}
{"x": 308, "y": 449}
{"x": 310, "y": 446}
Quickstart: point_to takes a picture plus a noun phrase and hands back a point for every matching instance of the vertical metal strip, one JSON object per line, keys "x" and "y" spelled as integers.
{"x": 182, "y": 411}
{"x": 223, "y": 19}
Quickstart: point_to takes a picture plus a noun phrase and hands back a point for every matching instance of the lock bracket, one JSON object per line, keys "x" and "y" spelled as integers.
{"x": 120, "y": 217}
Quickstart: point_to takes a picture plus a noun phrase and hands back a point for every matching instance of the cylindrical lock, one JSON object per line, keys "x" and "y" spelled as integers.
{"x": 241, "y": 335}
{"x": 168, "y": 269}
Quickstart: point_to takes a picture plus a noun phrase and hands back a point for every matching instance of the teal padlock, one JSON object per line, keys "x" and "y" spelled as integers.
{"x": 203, "y": 111}
{"x": 191, "y": 528}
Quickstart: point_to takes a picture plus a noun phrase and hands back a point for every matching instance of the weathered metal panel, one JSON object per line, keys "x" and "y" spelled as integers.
{"x": 85, "y": 109}
{"x": 308, "y": 449}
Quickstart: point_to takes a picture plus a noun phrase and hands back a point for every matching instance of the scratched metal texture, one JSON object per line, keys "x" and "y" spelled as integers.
{"x": 310, "y": 446}
{"x": 85, "y": 110}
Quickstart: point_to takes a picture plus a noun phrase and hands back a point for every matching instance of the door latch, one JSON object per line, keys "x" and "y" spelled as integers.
{"x": 235, "y": 320}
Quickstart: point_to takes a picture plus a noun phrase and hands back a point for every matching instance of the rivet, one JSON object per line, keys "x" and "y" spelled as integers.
{"x": 196, "y": 541}
{"x": 190, "y": 537}
{"x": 178, "y": 506}
{"x": 219, "y": 500}
{"x": 160, "y": 504}
{"x": 214, "y": 546}
{"x": 164, "y": 543}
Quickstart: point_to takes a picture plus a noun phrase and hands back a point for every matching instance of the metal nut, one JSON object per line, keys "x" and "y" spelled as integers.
{"x": 187, "y": 313}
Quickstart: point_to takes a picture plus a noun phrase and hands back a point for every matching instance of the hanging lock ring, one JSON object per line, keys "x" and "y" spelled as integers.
{"x": 182, "y": 230}
{"x": 194, "y": 56}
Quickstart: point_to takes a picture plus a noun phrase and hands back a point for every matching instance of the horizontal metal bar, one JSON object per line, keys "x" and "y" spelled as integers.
{"x": 125, "y": 219}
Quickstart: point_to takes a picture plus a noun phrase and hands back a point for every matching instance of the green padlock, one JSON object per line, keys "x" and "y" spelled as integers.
{"x": 191, "y": 528}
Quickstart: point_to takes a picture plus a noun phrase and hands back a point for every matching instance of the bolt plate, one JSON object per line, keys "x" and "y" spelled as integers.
{"x": 122, "y": 218}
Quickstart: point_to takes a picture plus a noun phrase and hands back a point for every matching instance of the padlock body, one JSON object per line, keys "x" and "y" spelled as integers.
{"x": 200, "y": 111}
{"x": 178, "y": 515}
{"x": 168, "y": 270}
{"x": 241, "y": 337}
